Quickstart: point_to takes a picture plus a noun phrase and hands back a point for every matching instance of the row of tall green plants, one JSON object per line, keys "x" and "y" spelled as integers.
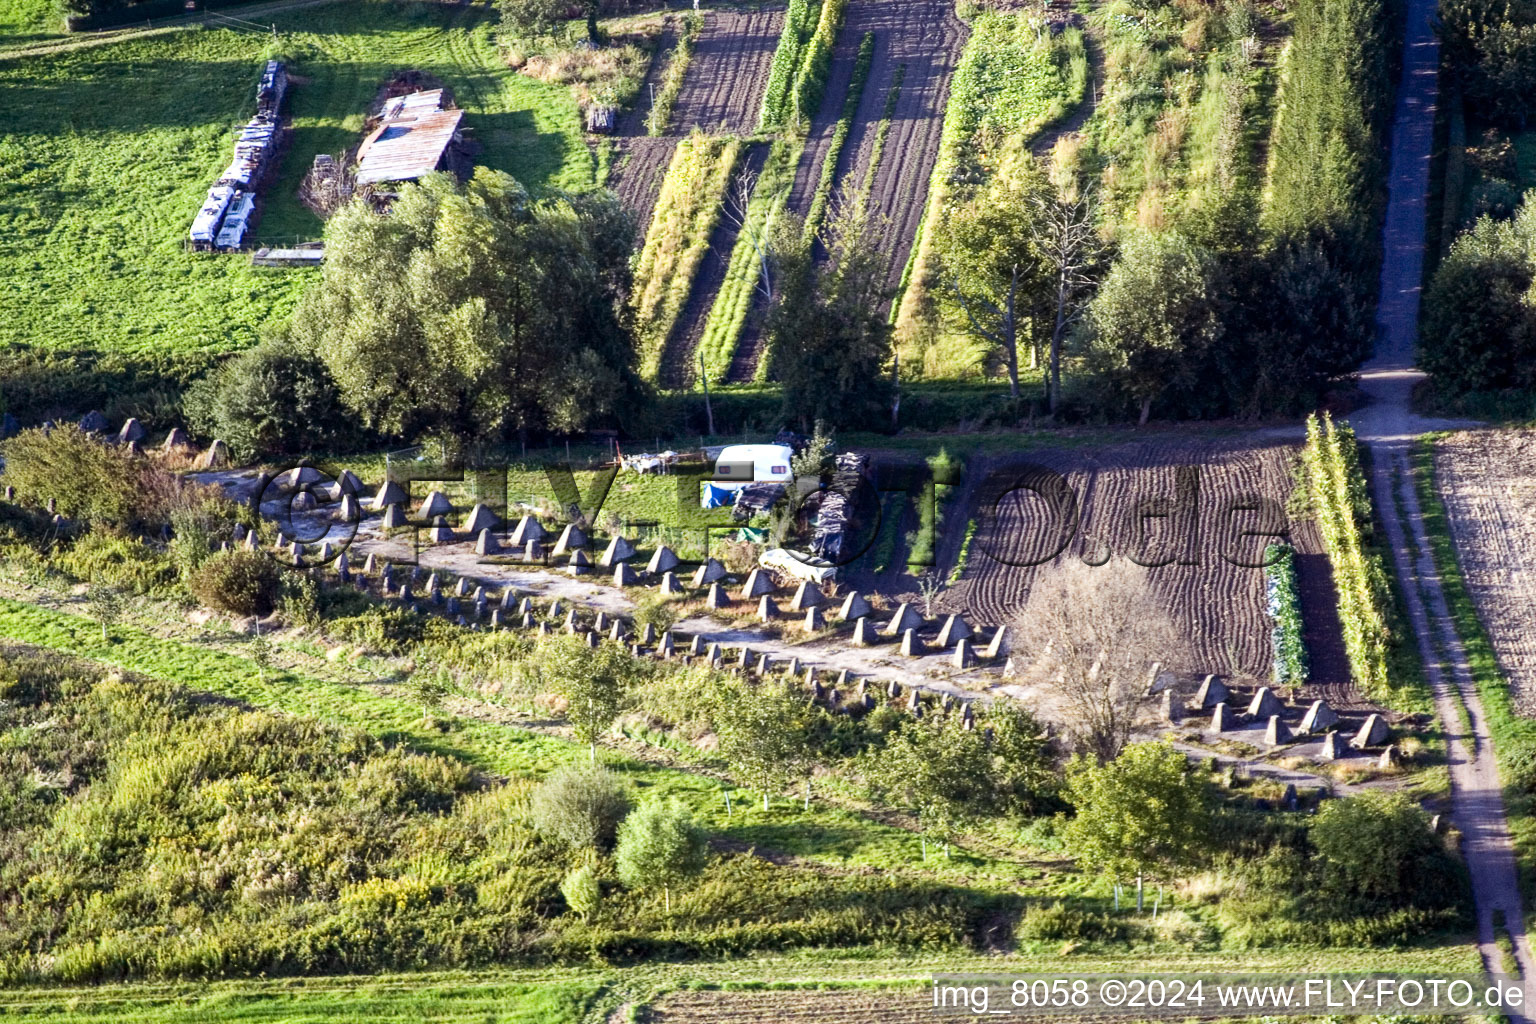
{"x": 801, "y": 20}
{"x": 686, "y": 213}
{"x": 823, "y": 196}
{"x": 1283, "y": 601}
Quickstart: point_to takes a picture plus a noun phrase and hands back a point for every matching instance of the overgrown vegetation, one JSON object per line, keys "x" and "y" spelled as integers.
{"x": 685, "y": 216}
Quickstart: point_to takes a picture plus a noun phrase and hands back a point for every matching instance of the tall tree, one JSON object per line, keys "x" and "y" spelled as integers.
{"x": 660, "y": 847}
{"x": 473, "y": 310}
{"x": 1139, "y": 816}
{"x": 763, "y": 735}
{"x": 1095, "y": 631}
{"x": 994, "y": 268}
{"x": 937, "y": 770}
{"x": 1066, "y": 236}
{"x": 596, "y": 683}
{"x": 1154, "y": 318}
{"x": 828, "y": 338}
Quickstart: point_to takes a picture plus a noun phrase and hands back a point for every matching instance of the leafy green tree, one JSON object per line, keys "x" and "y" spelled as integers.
{"x": 526, "y": 18}
{"x": 471, "y": 311}
{"x": 1023, "y": 771}
{"x": 938, "y": 771}
{"x": 1378, "y": 846}
{"x": 1478, "y": 331}
{"x": 274, "y": 399}
{"x": 1489, "y": 48}
{"x": 1154, "y": 318}
{"x": 995, "y": 271}
{"x": 581, "y": 891}
{"x": 763, "y": 733}
{"x": 580, "y": 807}
{"x": 261, "y": 653}
{"x": 828, "y": 341}
{"x": 595, "y": 682}
{"x": 660, "y": 847}
{"x": 1142, "y": 815}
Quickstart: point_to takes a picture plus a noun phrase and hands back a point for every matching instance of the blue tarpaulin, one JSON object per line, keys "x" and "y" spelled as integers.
{"x": 717, "y": 497}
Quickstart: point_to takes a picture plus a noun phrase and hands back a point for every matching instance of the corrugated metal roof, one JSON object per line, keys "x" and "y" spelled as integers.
{"x": 409, "y": 141}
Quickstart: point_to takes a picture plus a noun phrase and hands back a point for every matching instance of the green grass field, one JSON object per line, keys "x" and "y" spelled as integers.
{"x": 106, "y": 153}
{"x": 27, "y": 21}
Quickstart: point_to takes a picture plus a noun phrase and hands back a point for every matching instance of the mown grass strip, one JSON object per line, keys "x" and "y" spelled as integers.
{"x": 1514, "y": 736}
{"x": 677, "y": 70}
{"x": 824, "y": 833}
{"x": 728, "y": 314}
{"x": 824, "y": 185}
{"x": 687, "y": 211}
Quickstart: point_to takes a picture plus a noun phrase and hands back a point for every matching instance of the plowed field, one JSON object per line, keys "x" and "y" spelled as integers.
{"x": 729, "y": 69}
{"x": 1186, "y": 502}
{"x": 1487, "y": 480}
{"x": 925, "y": 36}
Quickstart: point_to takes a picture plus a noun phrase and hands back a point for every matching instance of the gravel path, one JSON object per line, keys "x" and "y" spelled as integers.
{"x": 1388, "y": 427}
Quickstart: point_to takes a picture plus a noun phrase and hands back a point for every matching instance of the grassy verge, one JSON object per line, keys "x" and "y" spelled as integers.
{"x": 840, "y": 135}
{"x": 687, "y": 211}
{"x": 728, "y": 314}
{"x": 677, "y": 70}
{"x": 1513, "y": 735}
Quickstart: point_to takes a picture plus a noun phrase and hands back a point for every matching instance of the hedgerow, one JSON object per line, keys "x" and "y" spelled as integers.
{"x": 1342, "y": 505}
{"x": 1327, "y": 151}
{"x": 1284, "y": 604}
{"x": 811, "y": 78}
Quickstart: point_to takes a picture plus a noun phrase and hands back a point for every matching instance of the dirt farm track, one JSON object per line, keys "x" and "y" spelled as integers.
{"x": 1487, "y": 479}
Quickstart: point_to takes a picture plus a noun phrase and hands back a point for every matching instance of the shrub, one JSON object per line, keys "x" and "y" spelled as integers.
{"x": 101, "y": 556}
{"x": 240, "y": 582}
{"x": 660, "y": 848}
{"x": 580, "y": 808}
{"x": 1378, "y": 846}
{"x": 581, "y": 891}
{"x": 271, "y": 400}
{"x": 90, "y": 480}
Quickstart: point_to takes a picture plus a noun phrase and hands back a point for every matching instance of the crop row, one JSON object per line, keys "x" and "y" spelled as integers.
{"x": 672, "y": 83}
{"x": 1284, "y": 602}
{"x": 1337, "y": 490}
{"x": 800, "y": 21}
{"x": 816, "y": 62}
{"x": 687, "y": 211}
{"x": 728, "y": 315}
{"x": 840, "y": 134}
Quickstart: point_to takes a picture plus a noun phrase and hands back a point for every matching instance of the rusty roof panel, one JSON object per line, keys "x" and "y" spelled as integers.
{"x": 409, "y": 142}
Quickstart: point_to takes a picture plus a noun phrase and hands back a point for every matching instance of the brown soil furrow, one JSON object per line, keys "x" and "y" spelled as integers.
{"x": 1487, "y": 481}
{"x": 639, "y": 166}
{"x": 724, "y": 86}
{"x": 926, "y": 36}
{"x": 1218, "y": 606}
{"x": 677, "y": 369}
